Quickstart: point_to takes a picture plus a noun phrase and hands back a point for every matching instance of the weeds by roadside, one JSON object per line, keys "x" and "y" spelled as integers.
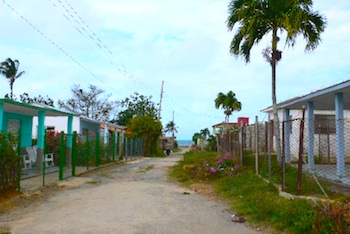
{"x": 259, "y": 201}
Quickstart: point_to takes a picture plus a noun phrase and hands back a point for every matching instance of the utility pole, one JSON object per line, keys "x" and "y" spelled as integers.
{"x": 160, "y": 102}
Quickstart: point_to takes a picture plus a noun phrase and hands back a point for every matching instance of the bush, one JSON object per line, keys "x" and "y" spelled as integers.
{"x": 10, "y": 162}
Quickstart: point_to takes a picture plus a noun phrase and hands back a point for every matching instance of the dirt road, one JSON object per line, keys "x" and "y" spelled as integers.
{"x": 132, "y": 198}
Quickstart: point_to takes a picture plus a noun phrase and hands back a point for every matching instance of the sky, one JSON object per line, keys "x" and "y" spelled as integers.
{"x": 132, "y": 46}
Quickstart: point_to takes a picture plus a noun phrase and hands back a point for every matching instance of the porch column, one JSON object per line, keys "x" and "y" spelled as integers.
{"x": 121, "y": 142}
{"x": 106, "y": 134}
{"x": 339, "y": 127}
{"x": 41, "y": 139}
{"x": 287, "y": 135}
{"x": 1, "y": 115}
{"x": 311, "y": 135}
{"x": 69, "y": 141}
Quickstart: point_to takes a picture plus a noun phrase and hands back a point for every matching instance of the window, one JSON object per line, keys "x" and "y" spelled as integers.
{"x": 85, "y": 131}
{"x": 324, "y": 124}
{"x": 50, "y": 128}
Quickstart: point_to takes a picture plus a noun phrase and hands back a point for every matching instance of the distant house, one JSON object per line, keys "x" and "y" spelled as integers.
{"x": 218, "y": 128}
{"x": 327, "y": 124}
{"x": 80, "y": 124}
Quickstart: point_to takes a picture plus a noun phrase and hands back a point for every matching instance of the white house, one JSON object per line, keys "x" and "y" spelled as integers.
{"x": 327, "y": 116}
{"x": 81, "y": 125}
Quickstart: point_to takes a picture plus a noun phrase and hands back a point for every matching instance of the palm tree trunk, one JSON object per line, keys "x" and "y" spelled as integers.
{"x": 11, "y": 89}
{"x": 274, "y": 98}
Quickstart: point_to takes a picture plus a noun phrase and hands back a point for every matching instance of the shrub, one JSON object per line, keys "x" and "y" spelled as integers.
{"x": 10, "y": 162}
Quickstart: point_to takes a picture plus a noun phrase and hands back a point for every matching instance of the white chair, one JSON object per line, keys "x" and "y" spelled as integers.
{"x": 27, "y": 163}
{"x": 32, "y": 154}
{"x": 48, "y": 158}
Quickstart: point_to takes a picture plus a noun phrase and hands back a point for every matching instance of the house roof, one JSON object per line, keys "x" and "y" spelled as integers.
{"x": 101, "y": 123}
{"x": 323, "y": 99}
{"x": 223, "y": 123}
{"x": 31, "y": 109}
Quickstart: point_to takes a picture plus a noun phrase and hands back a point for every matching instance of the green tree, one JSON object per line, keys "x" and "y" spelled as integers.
{"x": 150, "y": 130}
{"x": 135, "y": 105}
{"x": 9, "y": 69}
{"x": 229, "y": 103}
{"x": 257, "y": 18}
{"x": 88, "y": 103}
{"x": 171, "y": 127}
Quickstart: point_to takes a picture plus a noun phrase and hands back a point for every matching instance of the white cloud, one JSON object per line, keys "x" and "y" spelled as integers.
{"x": 136, "y": 44}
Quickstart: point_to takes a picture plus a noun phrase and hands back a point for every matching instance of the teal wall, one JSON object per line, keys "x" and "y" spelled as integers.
{"x": 26, "y": 124}
{"x": 92, "y": 127}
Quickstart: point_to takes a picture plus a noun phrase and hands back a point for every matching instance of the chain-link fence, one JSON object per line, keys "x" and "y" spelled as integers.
{"x": 317, "y": 147}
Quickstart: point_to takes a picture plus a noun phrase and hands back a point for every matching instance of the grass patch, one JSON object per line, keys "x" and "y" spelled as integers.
{"x": 94, "y": 182}
{"x": 259, "y": 201}
{"x": 145, "y": 169}
{"x": 105, "y": 175}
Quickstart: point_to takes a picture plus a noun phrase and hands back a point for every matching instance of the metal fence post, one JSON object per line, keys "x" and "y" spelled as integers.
{"x": 301, "y": 152}
{"x": 97, "y": 160}
{"x": 126, "y": 148}
{"x": 269, "y": 139}
{"x": 113, "y": 146}
{"x": 19, "y": 168}
{"x": 74, "y": 152}
{"x": 242, "y": 143}
{"x": 61, "y": 159}
{"x": 256, "y": 145}
{"x": 88, "y": 150}
{"x": 283, "y": 157}
{"x": 43, "y": 159}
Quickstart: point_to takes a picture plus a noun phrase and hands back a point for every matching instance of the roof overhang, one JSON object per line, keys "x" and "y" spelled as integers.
{"x": 31, "y": 109}
{"x": 323, "y": 99}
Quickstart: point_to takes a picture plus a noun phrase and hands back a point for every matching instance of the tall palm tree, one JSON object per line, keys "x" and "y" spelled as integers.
{"x": 9, "y": 69}
{"x": 170, "y": 127}
{"x": 257, "y": 18}
{"x": 228, "y": 102}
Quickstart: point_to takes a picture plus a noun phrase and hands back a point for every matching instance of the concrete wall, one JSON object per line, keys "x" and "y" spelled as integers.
{"x": 12, "y": 122}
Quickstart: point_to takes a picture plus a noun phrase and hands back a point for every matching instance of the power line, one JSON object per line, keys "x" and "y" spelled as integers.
{"x": 106, "y": 51}
{"x": 54, "y": 44}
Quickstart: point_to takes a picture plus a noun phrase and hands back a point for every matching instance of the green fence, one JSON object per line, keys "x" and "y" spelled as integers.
{"x": 63, "y": 156}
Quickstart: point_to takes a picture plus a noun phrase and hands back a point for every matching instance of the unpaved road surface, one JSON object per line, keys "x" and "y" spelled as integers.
{"x": 131, "y": 198}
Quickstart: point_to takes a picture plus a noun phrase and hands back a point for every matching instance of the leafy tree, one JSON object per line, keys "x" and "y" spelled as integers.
{"x": 88, "y": 103}
{"x": 150, "y": 130}
{"x": 257, "y": 18}
{"x": 41, "y": 100}
{"x": 136, "y": 105}
{"x": 170, "y": 127}
{"x": 9, "y": 69}
{"x": 228, "y": 102}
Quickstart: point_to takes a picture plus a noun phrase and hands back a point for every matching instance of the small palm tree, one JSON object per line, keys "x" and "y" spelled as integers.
{"x": 229, "y": 103}
{"x": 170, "y": 127}
{"x": 257, "y": 18}
{"x": 9, "y": 69}
{"x": 205, "y": 133}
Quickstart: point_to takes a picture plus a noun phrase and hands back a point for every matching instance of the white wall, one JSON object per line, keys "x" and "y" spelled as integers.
{"x": 60, "y": 123}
